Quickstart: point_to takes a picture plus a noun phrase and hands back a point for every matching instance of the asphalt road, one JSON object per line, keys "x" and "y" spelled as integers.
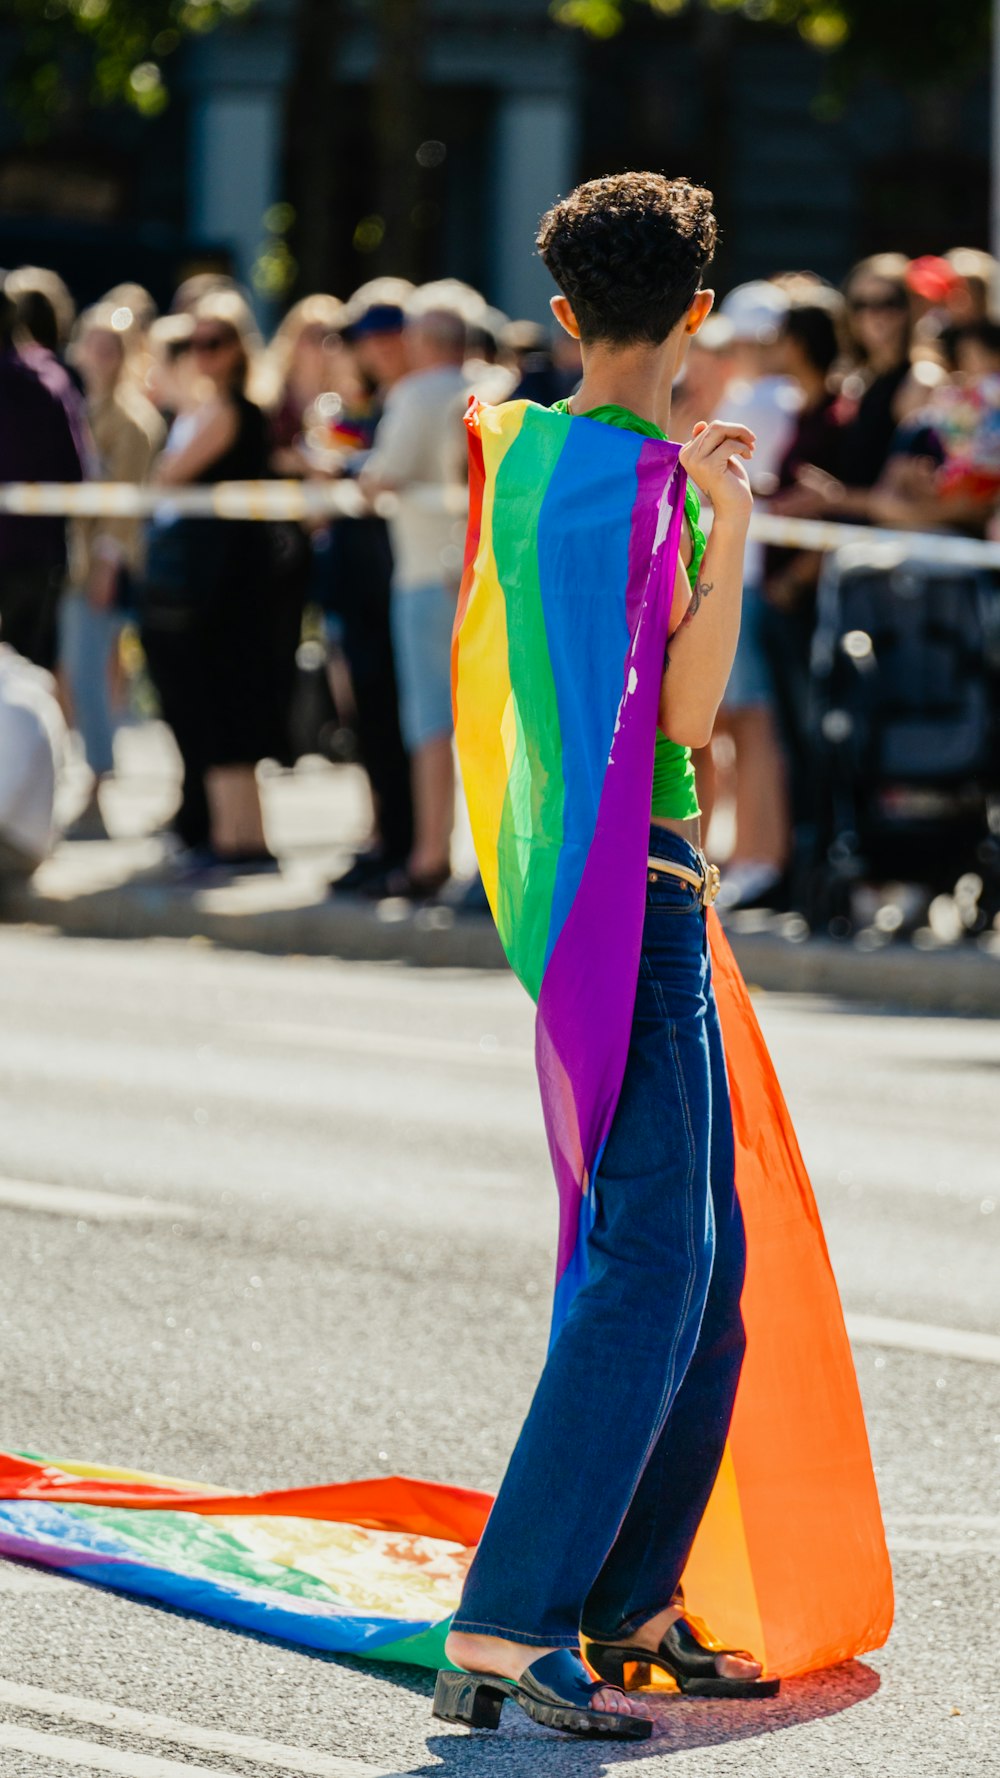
{"x": 316, "y": 1244}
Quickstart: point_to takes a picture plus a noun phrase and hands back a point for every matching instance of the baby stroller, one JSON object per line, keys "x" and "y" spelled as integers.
{"x": 904, "y": 730}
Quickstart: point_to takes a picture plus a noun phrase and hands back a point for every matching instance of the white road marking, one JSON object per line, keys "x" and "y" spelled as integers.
{"x": 251, "y": 1749}
{"x": 348, "y": 1042}
{"x": 915, "y": 1532}
{"x": 88, "y": 1756}
{"x": 919, "y": 1336}
{"x": 91, "y": 1206}
{"x": 970, "y": 1521}
{"x": 930, "y": 1546}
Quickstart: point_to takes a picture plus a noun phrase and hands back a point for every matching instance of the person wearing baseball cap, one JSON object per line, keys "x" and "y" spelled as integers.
{"x": 359, "y": 568}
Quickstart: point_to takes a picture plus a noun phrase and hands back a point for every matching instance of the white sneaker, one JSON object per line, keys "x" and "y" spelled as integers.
{"x": 745, "y": 884}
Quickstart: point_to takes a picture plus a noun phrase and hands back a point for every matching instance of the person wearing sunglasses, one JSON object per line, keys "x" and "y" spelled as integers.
{"x": 879, "y": 339}
{"x": 208, "y": 618}
{"x": 880, "y": 388}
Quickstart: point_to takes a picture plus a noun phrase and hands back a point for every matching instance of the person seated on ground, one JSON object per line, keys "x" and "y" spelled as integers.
{"x": 32, "y": 746}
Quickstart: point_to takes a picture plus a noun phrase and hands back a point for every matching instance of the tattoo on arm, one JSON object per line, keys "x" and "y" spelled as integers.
{"x": 701, "y": 591}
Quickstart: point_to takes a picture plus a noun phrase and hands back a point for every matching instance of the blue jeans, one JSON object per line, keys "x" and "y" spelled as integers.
{"x": 616, "y": 1460}
{"x": 87, "y": 635}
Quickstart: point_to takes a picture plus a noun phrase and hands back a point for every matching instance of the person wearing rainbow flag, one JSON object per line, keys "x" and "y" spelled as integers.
{"x": 601, "y": 1522}
{"x": 679, "y": 1454}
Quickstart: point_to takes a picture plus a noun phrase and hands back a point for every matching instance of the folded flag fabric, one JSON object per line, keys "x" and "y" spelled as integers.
{"x": 557, "y": 662}
{"x": 366, "y": 1568}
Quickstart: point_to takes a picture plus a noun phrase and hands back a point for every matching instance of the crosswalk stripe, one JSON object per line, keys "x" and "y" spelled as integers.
{"x": 920, "y": 1336}
{"x": 249, "y": 1749}
{"x": 92, "y": 1206}
{"x": 66, "y": 1750}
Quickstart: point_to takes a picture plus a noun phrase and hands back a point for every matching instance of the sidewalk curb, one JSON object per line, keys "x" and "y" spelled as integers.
{"x": 430, "y": 938}
{"x": 964, "y": 981}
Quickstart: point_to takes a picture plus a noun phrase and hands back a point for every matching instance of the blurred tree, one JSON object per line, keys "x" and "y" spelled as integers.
{"x": 920, "y": 40}
{"x": 74, "y": 55}
{"x": 77, "y": 53}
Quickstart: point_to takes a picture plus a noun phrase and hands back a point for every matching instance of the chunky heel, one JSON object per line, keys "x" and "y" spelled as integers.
{"x": 556, "y": 1691}
{"x": 469, "y": 1699}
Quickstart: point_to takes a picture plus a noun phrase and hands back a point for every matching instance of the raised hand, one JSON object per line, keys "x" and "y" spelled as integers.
{"x": 714, "y": 457}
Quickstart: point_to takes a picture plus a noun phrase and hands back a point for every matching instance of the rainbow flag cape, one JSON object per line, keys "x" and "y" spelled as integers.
{"x": 558, "y": 654}
{"x": 557, "y": 662}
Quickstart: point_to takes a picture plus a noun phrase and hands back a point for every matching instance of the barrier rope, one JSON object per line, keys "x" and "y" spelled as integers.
{"x": 299, "y": 501}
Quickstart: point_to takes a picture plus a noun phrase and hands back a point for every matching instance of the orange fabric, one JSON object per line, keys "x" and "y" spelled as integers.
{"x": 790, "y": 1559}
{"x": 385, "y": 1503}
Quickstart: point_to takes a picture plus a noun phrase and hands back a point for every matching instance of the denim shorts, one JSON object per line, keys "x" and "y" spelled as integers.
{"x": 750, "y": 681}
{"x": 422, "y": 619}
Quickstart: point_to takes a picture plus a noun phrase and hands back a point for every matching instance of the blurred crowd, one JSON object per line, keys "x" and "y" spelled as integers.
{"x": 878, "y": 403}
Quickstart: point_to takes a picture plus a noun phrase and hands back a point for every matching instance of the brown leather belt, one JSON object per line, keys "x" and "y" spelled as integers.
{"x": 707, "y": 881}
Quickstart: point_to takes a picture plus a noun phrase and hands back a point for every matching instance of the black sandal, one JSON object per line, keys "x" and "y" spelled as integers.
{"x": 689, "y": 1662}
{"x": 554, "y": 1691}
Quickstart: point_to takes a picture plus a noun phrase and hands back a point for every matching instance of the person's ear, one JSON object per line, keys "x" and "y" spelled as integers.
{"x": 699, "y": 311}
{"x": 561, "y": 309}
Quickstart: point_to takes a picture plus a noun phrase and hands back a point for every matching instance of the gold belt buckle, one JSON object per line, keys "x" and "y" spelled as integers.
{"x": 712, "y": 883}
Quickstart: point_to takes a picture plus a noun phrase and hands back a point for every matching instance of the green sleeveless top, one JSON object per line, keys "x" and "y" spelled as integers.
{"x": 675, "y": 793}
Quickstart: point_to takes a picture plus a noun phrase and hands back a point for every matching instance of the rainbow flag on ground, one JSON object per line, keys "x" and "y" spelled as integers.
{"x": 558, "y": 656}
{"x": 365, "y": 1568}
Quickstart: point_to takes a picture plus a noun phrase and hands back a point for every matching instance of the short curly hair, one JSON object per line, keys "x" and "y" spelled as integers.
{"x": 629, "y": 252}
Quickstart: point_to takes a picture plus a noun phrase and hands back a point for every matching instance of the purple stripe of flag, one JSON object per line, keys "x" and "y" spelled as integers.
{"x": 588, "y": 992}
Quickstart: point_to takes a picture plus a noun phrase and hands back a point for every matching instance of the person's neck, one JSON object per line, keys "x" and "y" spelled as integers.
{"x": 639, "y": 378}
{"x": 439, "y": 362}
{"x": 881, "y": 363}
